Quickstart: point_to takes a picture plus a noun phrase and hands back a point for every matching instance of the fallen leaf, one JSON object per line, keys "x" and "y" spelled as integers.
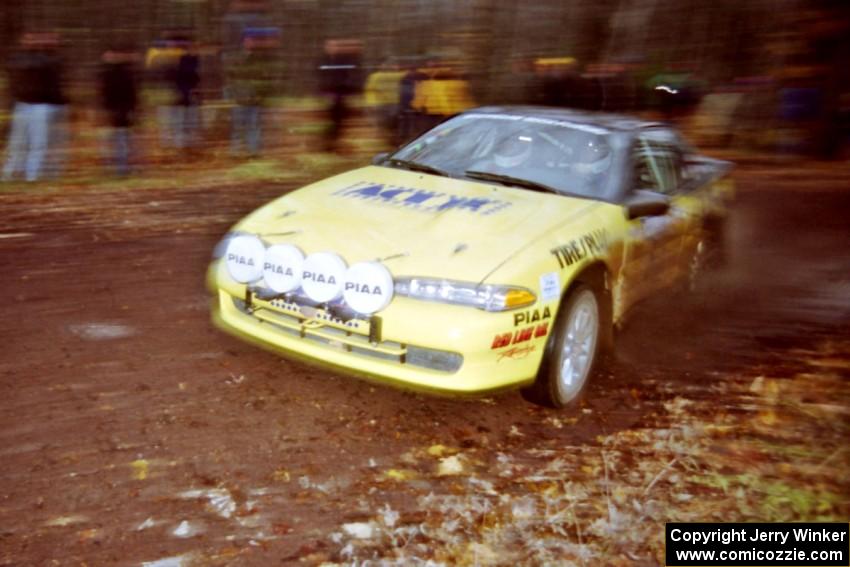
{"x": 400, "y": 474}
{"x": 186, "y": 530}
{"x": 768, "y": 417}
{"x": 359, "y": 530}
{"x": 439, "y": 450}
{"x": 86, "y": 535}
{"x": 140, "y": 469}
{"x": 65, "y": 520}
{"x": 450, "y": 466}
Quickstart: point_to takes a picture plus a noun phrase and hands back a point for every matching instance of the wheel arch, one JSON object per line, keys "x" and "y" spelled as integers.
{"x": 597, "y": 276}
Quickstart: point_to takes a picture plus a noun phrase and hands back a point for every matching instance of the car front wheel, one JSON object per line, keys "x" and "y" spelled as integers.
{"x": 572, "y": 352}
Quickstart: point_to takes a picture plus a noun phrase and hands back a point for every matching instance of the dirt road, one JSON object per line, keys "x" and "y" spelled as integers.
{"x": 132, "y": 431}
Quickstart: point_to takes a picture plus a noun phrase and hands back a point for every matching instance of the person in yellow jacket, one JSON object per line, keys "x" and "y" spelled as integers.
{"x": 443, "y": 92}
{"x": 382, "y": 95}
{"x": 435, "y": 92}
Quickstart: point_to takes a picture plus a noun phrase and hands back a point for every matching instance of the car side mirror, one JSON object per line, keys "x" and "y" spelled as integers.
{"x": 380, "y": 158}
{"x": 643, "y": 203}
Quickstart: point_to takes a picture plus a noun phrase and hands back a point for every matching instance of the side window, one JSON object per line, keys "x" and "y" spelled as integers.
{"x": 646, "y": 171}
{"x": 657, "y": 166}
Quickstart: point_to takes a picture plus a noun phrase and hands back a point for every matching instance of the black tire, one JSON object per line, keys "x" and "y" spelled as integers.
{"x": 559, "y": 383}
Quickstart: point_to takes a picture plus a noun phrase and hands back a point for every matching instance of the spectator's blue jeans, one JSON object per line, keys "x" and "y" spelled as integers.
{"x": 28, "y": 140}
{"x": 165, "y": 118}
{"x": 246, "y": 128}
{"x": 187, "y": 122}
{"x": 60, "y": 140}
{"x": 121, "y": 150}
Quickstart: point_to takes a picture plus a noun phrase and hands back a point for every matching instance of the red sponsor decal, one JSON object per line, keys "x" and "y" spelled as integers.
{"x": 523, "y": 335}
{"x": 520, "y": 336}
{"x": 502, "y": 340}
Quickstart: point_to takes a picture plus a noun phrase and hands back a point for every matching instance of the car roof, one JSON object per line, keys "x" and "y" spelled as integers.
{"x": 612, "y": 122}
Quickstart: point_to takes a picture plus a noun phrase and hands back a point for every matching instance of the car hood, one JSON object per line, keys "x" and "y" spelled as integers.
{"x": 416, "y": 224}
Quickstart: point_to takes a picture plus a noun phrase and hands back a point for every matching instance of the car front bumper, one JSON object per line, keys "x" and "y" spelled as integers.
{"x": 434, "y": 348}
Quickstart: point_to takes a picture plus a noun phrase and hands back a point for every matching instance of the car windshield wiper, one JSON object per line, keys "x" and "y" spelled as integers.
{"x": 509, "y": 180}
{"x": 416, "y": 166}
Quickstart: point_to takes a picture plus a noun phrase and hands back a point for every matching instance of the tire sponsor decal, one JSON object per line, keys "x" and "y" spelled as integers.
{"x": 592, "y": 244}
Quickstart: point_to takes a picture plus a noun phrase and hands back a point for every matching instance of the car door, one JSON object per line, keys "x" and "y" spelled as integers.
{"x": 654, "y": 244}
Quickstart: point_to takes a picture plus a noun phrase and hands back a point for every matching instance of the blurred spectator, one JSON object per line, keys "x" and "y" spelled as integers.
{"x": 800, "y": 106}
{"x": 408, "y": 120}
{"x": 242, "y": 15}
{"x": 187, "y": 79}
{"x": 740, "y": 114}
{"x": 36, "y": 88}
{"x": 442, "y": 92}
{"x": 558, "y": 81}
{"x": 118, "y": 89}
{"x": 430, "y": 94}
{"x": 160, "y": 65}
{"x": 382, "y": 95}
{"x": 339, "y": 75}
{"x": 249, "y": 85}
{"x": 609, "y": 87}
{"x": 519, "y": 84}
{"x": 59, "y": 135}
{"x": 815, "y": 97}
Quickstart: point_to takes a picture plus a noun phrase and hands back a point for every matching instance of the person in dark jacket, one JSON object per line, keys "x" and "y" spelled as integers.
{"x": 35, "y": 81}
{"x": 340, "y": 77}
{"x": 249, "y": 74}
{"x": 187, "y": 79}
{"x": 118, "y": 89}
{"x": 410, "y": 119}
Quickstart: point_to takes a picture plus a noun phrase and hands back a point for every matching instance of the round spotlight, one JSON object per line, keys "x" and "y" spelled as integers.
{"x": 244, "y": 258}
{"x": 368, "y": 287}
{"x": 282, "y": 267}
{"x": 322, "y": 276}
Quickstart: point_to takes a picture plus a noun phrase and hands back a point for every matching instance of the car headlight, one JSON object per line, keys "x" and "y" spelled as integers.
{"x": 488, "y": 297}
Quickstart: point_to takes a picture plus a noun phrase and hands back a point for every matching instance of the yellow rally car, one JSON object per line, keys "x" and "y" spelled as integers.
{"x": 498, "y": 250}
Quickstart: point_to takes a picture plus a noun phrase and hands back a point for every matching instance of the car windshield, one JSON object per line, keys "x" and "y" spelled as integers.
{"x": 531, "y": 152}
